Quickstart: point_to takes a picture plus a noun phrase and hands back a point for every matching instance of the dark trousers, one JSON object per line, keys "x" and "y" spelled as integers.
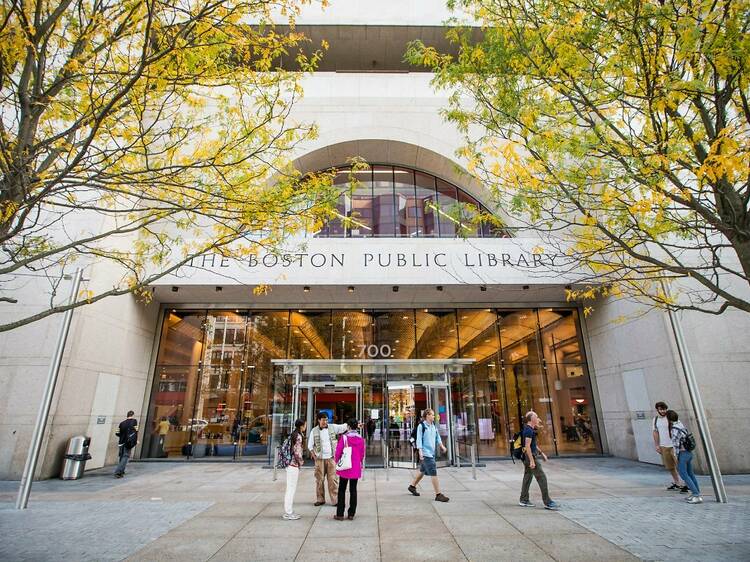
{"x": 541, "y": 479}
{"x": 342, "y": 496}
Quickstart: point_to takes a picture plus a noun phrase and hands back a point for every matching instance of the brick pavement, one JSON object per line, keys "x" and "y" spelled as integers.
{"x": 667, "y": 528}
{"x": 183, "y": 511}
{"x": 87, "y": 530}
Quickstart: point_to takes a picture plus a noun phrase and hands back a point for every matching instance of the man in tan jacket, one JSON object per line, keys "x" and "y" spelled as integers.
{"x": 322, "y": 444}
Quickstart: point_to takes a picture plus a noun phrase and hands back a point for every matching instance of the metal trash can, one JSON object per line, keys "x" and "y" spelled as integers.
{"x": 75, "y": 457}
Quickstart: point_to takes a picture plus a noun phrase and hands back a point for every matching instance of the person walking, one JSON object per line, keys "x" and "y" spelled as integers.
{"x": 679, "y": 434}
{"x": 663, "y": 445}
{"x": 428, "y": 440}
{"x": 394, "y": 434}
{"x": 349, "y": 476}
{"x": 127, "y": 432}
{"x": 531, "y": 465}
{"x": 162, "y": 429}
{"x": 292, "y": 470}
{"x": 322, "y": 443}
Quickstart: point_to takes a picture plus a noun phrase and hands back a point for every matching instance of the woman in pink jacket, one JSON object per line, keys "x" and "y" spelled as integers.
{"x": 350, "y": 476}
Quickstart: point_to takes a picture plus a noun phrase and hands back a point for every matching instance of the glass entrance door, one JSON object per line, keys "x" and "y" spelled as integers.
{"x": 406, "y": 403}
{"x": 342, "y": 401}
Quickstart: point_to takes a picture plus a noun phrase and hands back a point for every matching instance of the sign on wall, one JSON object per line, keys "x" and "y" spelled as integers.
{"x": 371, "y": 261}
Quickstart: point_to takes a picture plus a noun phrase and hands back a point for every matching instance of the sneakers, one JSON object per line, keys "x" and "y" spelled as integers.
{"x": 684, "y": 490}
{"x": 441, "y": 498}
{"x": 119, "y": 475}
{"x": 291, "y": 516}
{"x": 413, "y": 490}
{"x": 674, "y": 487}
{"x": 552, "y": 505}
{"x": 317, "y": 504}
{"x": 695, "y": 499}
{"x": 350, "y": 517}
{"x": 526, "y": 503}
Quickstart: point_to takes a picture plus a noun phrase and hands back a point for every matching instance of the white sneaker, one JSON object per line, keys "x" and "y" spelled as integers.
{"x": 695, "y": 499}
{"x": 291, "y": 516}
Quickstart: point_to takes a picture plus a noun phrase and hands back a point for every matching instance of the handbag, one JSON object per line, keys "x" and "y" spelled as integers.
{"x": 345, "y": 460}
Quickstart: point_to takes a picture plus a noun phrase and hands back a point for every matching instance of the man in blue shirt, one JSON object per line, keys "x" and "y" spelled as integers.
{"x": 531, "y": 465}
{"x": 428, "y": 440}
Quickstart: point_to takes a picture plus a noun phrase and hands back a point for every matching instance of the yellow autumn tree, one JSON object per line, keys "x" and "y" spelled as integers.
{"x": 143, "y": 133}
{"x": 619, "y": 131}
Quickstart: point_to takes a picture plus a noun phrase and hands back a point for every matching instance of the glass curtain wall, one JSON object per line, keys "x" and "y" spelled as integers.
{"x": 214, "y": 393}
{"x": 392, "y": 201}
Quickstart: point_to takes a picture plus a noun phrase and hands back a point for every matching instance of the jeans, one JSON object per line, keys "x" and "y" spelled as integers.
{"x": 124, "y": 458}
{"x": 685, "y": 468}
{"x": 541, "y": 479}
{"x": 342, "y": 496}
{"x": 292, "y": 475}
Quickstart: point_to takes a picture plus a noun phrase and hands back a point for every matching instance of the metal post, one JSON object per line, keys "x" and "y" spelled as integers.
{"x": 474, "y": 461}
{"x": 42, "y": 416}
{"x": 275, "y": 462}
{"x": 697, "y": 403}
{"x": 386, "y": 459}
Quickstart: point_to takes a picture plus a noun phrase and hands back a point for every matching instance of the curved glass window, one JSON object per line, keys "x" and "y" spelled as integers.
{"x": 393, "y": 201}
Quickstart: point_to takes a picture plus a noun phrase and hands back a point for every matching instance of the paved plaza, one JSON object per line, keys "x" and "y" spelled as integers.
{"x": 611, "y": 510}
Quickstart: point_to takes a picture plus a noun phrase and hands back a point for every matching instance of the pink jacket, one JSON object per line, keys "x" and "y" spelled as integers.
{"x": 357, "y": 444}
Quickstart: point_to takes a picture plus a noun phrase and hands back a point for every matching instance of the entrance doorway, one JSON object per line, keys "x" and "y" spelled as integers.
{"x": 406, "y": 403}
{"x": 341, "y": 401}
{"x": 387, "y": 396}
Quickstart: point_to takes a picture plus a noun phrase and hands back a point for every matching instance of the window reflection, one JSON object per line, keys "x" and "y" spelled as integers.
{"x": 396, "y": 201}
{"x": 384, "y": 210}
{"x": 425, "y": 208}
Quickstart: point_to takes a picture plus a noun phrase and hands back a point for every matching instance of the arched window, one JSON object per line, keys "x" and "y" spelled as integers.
{"x": 393, "y": 201}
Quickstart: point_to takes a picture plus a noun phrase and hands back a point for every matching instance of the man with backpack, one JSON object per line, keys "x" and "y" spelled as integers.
{"x": 128, "y": 438}
{"x": 531, "y": 464}
{"x": 428, "y": 440}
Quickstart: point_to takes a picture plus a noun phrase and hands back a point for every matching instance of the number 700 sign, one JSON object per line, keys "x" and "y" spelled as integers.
{"x": 374, "y": 351}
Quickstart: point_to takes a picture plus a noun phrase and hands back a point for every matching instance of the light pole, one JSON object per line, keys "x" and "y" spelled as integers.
{"x": 49, "y": 390}
{"x": 697, "y": 403}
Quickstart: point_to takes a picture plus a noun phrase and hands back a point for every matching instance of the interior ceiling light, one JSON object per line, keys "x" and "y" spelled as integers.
{"x": 350, "y": 289}
{"x": 306, "y": 289}
{"x": 482, "y": 288}
{"x": 395, "y": 288}
{"x": 175, "y": 289}
{"x": 439, "y": 287}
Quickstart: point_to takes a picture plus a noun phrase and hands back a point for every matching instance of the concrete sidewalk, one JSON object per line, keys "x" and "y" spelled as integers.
{"x": 611, "y": 510}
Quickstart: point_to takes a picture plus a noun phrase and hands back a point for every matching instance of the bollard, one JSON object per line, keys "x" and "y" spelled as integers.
{"x": 474, "y": 462}
{"x": 275, "y": 463}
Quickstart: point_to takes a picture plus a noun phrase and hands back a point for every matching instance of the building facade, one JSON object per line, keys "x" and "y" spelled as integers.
{"x": 403, "y": 307}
